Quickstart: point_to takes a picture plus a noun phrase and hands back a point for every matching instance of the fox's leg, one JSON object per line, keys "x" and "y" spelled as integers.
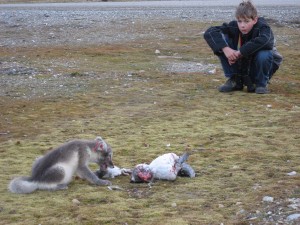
{"x": 86, "y": 173}
{"x": 54, "y": 178}
{"x": 36, "y": 163}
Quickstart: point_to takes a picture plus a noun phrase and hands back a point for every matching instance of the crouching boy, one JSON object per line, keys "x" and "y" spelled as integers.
{"x": 246, "y": 49}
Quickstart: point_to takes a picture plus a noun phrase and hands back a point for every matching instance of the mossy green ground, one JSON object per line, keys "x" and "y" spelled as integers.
{"x": 243, "y": 144}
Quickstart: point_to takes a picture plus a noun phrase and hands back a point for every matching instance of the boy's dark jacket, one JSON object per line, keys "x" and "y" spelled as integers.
{"x": 259, "y": 38}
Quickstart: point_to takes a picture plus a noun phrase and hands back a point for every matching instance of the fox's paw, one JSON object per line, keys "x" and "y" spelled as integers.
{"x": 104, "y": 183}
{"x": 107, "y": 183}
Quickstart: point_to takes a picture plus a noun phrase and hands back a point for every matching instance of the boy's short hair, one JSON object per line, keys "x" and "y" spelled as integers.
{"x": 246, "y": 10}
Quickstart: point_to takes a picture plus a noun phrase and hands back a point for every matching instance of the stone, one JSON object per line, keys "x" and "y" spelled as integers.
{"x": 293, "y": 217}
{"x": 268, "y": 199}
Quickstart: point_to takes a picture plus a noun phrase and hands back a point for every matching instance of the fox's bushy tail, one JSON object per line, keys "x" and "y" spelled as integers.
{"x": 22, "y": 185}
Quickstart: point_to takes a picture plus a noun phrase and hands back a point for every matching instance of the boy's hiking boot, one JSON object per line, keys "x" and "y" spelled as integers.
{"x": 261, "y": 90}
{"x": 251, "y": 89}
{"x": 232, "y": 84}
{"x": 250, "y": 86}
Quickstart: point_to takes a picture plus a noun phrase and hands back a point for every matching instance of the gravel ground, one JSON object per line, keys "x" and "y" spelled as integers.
{"x": 77, "y": 24}
{"x": 70, "y": 24}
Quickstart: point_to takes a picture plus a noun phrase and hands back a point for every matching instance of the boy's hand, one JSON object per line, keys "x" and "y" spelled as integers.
{"x": 232, "y": 55}
{"x": 231, "y": 62}
{"x": 229, "y": 53}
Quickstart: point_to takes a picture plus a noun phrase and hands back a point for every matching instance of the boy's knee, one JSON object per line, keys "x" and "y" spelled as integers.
{"x": 229, "y": 41}
{"x": 264, "y": 55}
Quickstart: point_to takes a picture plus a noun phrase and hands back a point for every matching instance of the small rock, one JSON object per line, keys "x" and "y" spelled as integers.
{"x": 268, "y": 199}
{"x": 174, "y": 204}
{"x": 213, "y": 71}
{"x": 115, "y": 187}
{"x": 75, "y": 201}
{"x": 293, "y": 173}
{"x": 242, "y": 211}
{"x": 295, "y": 203}
{"x": 293, "y": 206}
{"x": 157, "y": 51}
{"x": 293, "y": 217}
{"x": 256, "y": 186}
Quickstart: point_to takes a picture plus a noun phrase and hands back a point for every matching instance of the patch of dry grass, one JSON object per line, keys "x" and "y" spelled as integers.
{"x": 243, "y": 144}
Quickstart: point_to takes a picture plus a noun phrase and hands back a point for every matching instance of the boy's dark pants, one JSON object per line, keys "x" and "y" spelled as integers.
{"x": 259, "y": 67}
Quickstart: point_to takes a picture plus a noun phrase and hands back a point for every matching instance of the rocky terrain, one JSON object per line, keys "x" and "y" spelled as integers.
{"x": 74, "y": 25}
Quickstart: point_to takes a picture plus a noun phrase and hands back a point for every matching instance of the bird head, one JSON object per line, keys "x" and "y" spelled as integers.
{"x": 141, "y": 173}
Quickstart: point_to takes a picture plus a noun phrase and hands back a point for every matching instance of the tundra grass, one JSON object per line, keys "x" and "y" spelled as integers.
{"x": 243, "y": 145}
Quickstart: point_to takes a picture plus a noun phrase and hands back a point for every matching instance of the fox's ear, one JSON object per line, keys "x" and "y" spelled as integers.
{"x": 101, "y": 145}
{"x": 99, "y": 138}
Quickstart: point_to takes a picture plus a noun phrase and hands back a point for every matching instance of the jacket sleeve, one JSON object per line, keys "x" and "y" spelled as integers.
{"x": 214, "y": 36}
{"x": 263, "y": 41}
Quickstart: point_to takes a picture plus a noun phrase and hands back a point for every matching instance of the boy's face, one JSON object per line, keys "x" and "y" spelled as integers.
{"x": 246, "y": 24}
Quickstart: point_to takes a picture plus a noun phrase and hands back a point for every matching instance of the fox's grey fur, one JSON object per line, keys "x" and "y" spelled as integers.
{"x": 54, "y": 171}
